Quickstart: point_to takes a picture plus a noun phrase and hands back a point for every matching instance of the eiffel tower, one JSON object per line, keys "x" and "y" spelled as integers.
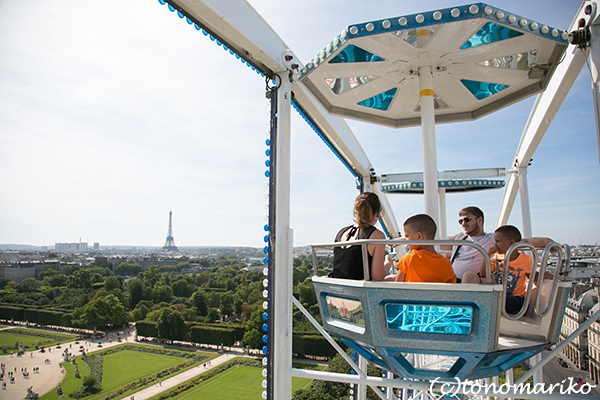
{"x": 170, "y": 242}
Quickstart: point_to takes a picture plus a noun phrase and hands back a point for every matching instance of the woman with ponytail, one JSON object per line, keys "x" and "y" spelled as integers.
{"x": 348, "y": 260}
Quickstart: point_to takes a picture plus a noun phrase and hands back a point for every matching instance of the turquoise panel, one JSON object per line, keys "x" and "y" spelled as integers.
{"x": 352, "y": 54}
{"x": 481, "y": 90}
{"x": 381, "y": 101}
{"x": 433, "y": 319}
{"x": 490, "y": 33}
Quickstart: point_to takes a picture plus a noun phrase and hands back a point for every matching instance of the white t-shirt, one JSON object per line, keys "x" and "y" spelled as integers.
{"x": 469, "y": 258}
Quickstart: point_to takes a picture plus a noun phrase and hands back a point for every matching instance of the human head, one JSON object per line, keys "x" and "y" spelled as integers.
{"x": 505, "y": 236}
{"x": 366, "y": 207}
{"x": 420, "y": 227}
{"x": 474, "y": 226}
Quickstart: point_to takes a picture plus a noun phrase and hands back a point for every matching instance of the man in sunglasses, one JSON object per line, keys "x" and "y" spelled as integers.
{"x": 467, "y": 258}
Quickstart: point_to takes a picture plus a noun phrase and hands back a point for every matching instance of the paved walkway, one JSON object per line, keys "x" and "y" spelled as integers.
{"x": 50, "y": 371}
{"x": 180, "y": 378}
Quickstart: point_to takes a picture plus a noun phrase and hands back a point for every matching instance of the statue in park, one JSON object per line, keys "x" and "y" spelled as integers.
{"x": 77, "y": 371}
{"x": 59, "y": 390}
{"x": 31, "y": 395}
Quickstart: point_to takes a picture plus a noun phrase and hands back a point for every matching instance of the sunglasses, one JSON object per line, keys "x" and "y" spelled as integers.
{"x": 466, "y": 219}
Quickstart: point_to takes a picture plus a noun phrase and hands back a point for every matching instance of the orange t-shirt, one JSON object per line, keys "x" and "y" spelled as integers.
{"x": 425, "y": 266}
{"x": 517, "y": 273}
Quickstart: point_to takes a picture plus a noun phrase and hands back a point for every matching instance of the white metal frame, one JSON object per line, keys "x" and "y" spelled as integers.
{"x": 238, "y": 25}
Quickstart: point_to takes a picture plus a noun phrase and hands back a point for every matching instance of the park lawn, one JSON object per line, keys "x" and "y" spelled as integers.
{"x": 11, "y": 337}
{"x": 119, "y": 369}
{"x": 236, "y": 383}
{"x": 126, "y": 366}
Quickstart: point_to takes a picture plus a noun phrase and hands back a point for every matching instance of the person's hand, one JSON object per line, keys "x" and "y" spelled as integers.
{"x": 493, "y": 250}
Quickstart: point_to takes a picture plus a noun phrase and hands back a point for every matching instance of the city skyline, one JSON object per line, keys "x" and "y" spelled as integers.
{"x": 112, "y": 114}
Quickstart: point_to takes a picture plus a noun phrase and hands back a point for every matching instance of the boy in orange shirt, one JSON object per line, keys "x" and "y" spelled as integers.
{"x": 519, "y": 266}
{"x": 423, "y": 264}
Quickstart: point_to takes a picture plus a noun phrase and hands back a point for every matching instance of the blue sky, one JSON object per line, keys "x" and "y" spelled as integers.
{"x": 113, "y": 113}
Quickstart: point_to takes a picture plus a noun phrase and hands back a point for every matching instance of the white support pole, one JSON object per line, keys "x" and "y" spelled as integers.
{"x": 443, "y": 226}
{"x": 282, "y": 264}
{"x": 362, "y": 389}
{"x": 510, "y": 379}
{"x": 525, "y": 207}
{"x": 389, "y": 391}
{"x": 430, "y": 173}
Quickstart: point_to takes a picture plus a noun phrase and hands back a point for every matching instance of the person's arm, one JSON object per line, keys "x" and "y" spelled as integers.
{"x": 401, "y": 277}
{"x": 447, "y": 247}
{"x": 538, "y": 242}
{"x": 378, "y": 271}
{"x": 482, "y": 272}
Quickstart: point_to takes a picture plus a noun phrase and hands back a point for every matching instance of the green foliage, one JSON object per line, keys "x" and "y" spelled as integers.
{"x": 104, "y": 310}
{"x": 314, "y": 345}
{"x": 28, "y": 285}
{"x": 81, "y": 279}
{"x": 326, "y": 390}
{"x": 170, "y": 324}
{"x": 70, "y": 269}
{"x": 89, "y": 383}
{"x": 146, "y": 328}
{"x": 254, "y": 332}
{"x": 226, "y": 303}
{"x": 135, "y": 288}
{"x": 212, "y": 315}
{"x": 212, "y": 335}
{"x": 113, "y": 282}
{"x": 3, "y": 282}
{"x": 126, "y": 269}
{"x": 199, "y": 301}
{"x": 47, "y": 317}
{"x": 12, "y": 313}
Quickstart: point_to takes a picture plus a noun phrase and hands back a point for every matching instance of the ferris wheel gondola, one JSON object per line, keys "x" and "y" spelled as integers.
{"x": 439, "y": 330}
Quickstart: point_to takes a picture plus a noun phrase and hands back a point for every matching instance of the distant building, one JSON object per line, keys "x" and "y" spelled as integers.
{"x": 96, "y": 246}
{"x": 580, "y": 302}
{"x": 594, "y": 348}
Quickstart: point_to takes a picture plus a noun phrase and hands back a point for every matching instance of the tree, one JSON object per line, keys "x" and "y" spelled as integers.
{"x": 104, "y": 310}
{"x": 226, "y": 303}
{"x": 254, "y": 332}
{"x": 212, "y": 315}
{"x": 199, "y": 301}
{"x": 126, "y": 269}
{"x": 80, "y": 279}
{"x": 179, "y": 288}
{"x": 28, "y": 285}
{"x": 45, "y": 273}
{"x": 300, "y": 274}
{"x": 162, "y": 293}
{"x": 135, "y": 287}
{"x": 171, "y": 324}
{"x": 113, "y": 282}
{"x": 4, "y": 282}
{"x": 69, "y": 269}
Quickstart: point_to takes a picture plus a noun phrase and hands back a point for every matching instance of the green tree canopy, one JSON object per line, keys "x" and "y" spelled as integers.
{"x": 80, "y": 279}
{"x": 170, "y": 324}
{"x": 103, "y": 310}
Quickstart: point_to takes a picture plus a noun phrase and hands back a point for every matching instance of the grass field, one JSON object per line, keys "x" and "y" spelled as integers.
{"x": 11, "y": 337}
{"x": 237, "y": 383}
{"x": 118, "y": 369}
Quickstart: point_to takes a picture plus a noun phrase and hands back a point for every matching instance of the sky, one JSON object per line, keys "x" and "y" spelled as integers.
{"x": 113, "y": 113}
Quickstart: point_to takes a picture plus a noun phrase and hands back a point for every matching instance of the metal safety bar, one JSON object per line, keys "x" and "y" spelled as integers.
{"x": 561, "y": 269}
{"x": 366, "y": 242}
